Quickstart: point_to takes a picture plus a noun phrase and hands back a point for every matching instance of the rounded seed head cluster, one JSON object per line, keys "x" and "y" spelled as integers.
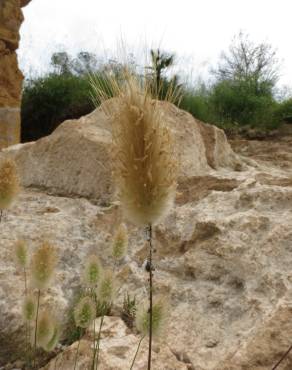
{"x": 29, "y": 307}
{"x": 85, "y": 312}
{"x": 107, "y": 288}
{"x": 53, "y": 341}
{"x": 120, "y": 242}
{"x": 92, "y": 271}
{"x": 21, "y": 253}
{"x": 9, "y": 183}
{"x": 43, "y": 265}
{"x": 159, "y": 316}
{"x": 144, "y": 160}
{"x": 45, "y": 328}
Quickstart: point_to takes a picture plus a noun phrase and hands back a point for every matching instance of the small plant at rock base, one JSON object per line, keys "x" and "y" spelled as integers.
{"x": 142, "y": 321}
{"x": 9, "y": 184}
{"x": 21, "y": 259}
{"x": 84, "y": 314}
{"x": 129, "y": 310}
{"x": 42, "y": 271}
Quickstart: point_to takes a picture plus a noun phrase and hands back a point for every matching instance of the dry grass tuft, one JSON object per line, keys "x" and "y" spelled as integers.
{"x": 9, "y": 183}
{"x": 144, "y": 159}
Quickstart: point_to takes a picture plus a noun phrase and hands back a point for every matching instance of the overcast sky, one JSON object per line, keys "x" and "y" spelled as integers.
{"x": 196, "y": 31}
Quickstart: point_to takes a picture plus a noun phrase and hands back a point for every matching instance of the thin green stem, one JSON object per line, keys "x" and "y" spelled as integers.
{"x": 150, "y": 267}
{"x": 27, "y": 334}
{"x": 94, "y": 335}
{"x": 136, "y": 353}
{"x": 98, "y": 340}
{"x": 36, "y": 328}
{"x": 77, "y": 351}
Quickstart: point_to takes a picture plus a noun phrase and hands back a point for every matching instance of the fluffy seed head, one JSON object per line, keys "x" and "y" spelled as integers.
{"x": 9, "y": 183}
{"x": 85, "y": 312}
{"x": 21, "y": 253}
{"x": 120, "y": 242}
{"x": 29, "y": 307}
{"x": 45, "y": 328}
{"x": 53, "y": 341}
{"x": 43, "y": 265}
{"x": 107, "y": 288}
{"x": 92, "y": 271}
{"x": 159, "y": 315}
{"x": 144, "y": 159}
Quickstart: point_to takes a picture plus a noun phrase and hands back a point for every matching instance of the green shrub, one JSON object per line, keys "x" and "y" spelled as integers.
{"x": 238, "y": 103}
{"x": 283, "y": 111}
{"x": 48, "y": 101}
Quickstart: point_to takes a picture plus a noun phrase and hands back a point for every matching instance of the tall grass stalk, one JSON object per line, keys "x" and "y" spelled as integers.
{"x": 137, "y": 351}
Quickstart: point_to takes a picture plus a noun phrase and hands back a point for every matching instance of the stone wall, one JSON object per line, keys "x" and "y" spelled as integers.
{"x": 11, "y": 78}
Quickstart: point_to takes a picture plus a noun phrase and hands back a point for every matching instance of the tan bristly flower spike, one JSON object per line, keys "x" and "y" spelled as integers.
{"x": 21, "y": 253}
{"x": 9, "y": 184}
{"x": 107, "y": 288}
{"x": 159, "y": 316}
{"x": 29, "y": 307}
{"x": 45, "y": 328}
{"x": 84, "y": 312}
{"x": 53, "y": 341}
{"x": 144, "y": 158}
{"x": 92, "y": 271}
{"x": 43, "y": 265}
{"x": 120, "y": 242}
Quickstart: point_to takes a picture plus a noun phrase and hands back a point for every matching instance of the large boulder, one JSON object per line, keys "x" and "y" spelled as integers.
{"x": 75, "y": 158}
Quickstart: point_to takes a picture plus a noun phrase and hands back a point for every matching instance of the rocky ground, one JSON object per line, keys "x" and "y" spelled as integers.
{"x": 224, "y": 253}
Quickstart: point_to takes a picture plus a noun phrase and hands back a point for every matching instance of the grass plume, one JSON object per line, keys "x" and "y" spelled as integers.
{"x": 92, "y": 271}
{"x": 9, "y": 184}
{"x": 144, "y": 158}
{"x": 45, "y": 328}
{"x": 21, "y": 253}
{"x": 29, "y": 307}
{"x": 84, "y": 312}
{"x": 43, "y": 265}
{"x": 159, "y": 316}
{"x": 120, "y": 242}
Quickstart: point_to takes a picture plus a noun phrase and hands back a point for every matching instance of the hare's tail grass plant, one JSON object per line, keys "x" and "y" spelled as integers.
{"x": 9, "y": 184}
{"x": 106, "y": 293}
{"x": 22, "y": 260}
{"x": 84, "y": 314}
{"x": 156, "y": 320}
{"x": 144, "y": 158}
{"x": 42, "y": 271}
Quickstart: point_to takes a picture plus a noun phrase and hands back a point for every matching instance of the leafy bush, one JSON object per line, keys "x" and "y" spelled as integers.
{"x": 237, "y": 102}
{"x": 283, "y": 112}
{"x": 48, "y": 101}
